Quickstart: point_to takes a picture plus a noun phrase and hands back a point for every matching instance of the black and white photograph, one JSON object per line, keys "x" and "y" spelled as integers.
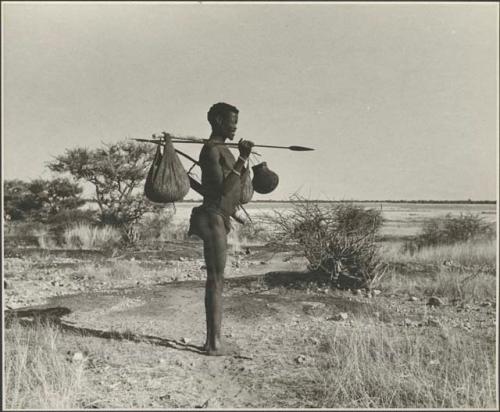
{"x": 250, "y": 205}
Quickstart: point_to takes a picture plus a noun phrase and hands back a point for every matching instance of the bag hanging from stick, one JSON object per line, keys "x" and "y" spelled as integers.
{"x": 246, "y": 187}
{"x": 167, "y": 180}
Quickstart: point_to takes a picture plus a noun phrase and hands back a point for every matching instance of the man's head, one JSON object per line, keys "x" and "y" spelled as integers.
{"x": 223, "y": 118}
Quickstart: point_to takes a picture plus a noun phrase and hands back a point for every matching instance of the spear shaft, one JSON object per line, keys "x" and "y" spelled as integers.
{"x": 203, "y": 141}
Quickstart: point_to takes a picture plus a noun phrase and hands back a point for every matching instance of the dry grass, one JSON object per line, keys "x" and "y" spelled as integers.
{"x": 469, "y": 254}
{"x": 119, "y": 270}
{"x": 83, "y": 236}
{"x": 37, "y": 375}
{"x": 451, "y": 284}
{"x": 370, "y": 366}
{"x": 463, "y": 271}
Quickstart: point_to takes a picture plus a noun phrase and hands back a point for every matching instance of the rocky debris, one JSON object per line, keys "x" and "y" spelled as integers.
{"x": 185, "y": 340}
{"x": 313, "y": 308}
{"x": 314, "y": 341}
{"x": 467, "y": 326}
{"x": 301, "y": 359}
{"x": 434, "y": 301}
{"x": 413, "y": 299}
{"x": 433, "y": 322}
{"x": 78, "y": 357}
{"x": 202, "y": 406}
{"x": 339, "y": 316}
{"x": 464, "y": 307}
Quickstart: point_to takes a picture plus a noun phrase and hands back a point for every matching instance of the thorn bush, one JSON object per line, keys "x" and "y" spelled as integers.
{"x": 337, "y": 239}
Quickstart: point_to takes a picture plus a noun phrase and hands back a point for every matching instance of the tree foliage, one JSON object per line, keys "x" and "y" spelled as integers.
{"x": 116, "y": 171}
{"x": 40, "y": 200}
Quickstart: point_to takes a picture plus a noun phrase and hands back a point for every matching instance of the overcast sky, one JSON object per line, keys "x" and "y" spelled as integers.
{"x": 400, "y": 101}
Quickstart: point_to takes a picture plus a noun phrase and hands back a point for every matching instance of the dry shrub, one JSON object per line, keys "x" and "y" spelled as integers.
{"x": 338, "y": 239}
{"x": 157, "y": 225}
{"x": 83, "y": 236}
{"x": 254, "y": 232}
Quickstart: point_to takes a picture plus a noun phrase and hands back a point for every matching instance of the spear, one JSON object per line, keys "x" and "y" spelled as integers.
{"x": 203, "y": 141}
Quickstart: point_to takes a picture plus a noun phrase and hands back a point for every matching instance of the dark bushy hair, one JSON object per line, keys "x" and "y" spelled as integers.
{"x": 220, "y": 109}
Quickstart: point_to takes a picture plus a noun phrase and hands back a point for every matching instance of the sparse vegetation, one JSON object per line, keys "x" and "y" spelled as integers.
{"x": 37, "y": 374}
{"x": 453, "y": 229}
{"x": 480, "y": 253}
{"x": 374, "y": 366}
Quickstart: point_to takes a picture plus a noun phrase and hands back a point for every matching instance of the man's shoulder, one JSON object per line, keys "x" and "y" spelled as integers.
{"x": 209, "y": 151}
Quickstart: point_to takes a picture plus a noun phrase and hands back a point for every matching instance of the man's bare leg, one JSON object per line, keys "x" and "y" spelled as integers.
{"x": 215, "y": 252}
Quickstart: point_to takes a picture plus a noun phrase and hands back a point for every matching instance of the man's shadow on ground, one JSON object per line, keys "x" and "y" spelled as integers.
{"x": 30, "y": 317}
{"x": 52, "y": 316}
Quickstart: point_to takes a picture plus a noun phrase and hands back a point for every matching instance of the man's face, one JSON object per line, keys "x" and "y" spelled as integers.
{"x": 228, "y": 125}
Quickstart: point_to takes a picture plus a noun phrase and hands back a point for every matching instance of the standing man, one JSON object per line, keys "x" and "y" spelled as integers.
{"x": 221, "y": 188}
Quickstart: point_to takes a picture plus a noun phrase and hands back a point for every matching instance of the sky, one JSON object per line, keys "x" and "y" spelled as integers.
{"x": 400, "y": 101}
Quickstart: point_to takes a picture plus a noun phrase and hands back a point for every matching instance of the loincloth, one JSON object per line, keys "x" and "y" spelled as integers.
{"x": 198, "y": 212}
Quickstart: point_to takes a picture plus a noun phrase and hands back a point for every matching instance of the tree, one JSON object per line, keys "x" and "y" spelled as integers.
{"x": 40, "y": 199}
{"x": 116, "y": 172}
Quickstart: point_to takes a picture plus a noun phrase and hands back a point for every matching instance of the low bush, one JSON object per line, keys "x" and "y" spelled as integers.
{"x": 256, "y": 231}
{"x": 453, "y": 229}
{"x": 156, "y": 225}
{"x": 339, "y": 239}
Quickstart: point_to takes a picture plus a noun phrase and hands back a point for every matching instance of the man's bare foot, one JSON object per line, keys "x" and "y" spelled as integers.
{"x": 222, "y": 350}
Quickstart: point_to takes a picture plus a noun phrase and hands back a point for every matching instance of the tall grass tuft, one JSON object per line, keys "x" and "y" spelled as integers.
{"x": 369, "y": 366}
{"x": 37, "y": 375}
{"x": 83, "y": 236}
